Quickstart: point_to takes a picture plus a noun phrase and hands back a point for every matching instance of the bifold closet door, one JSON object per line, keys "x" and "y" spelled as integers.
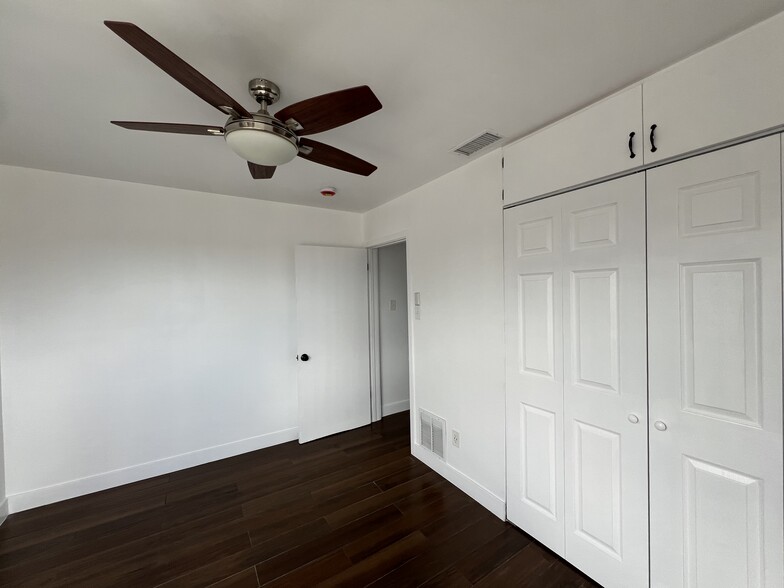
{"x": 715, "y": 364}
{"x": 576, "y": 380}
{"x": 534, "y": 371}
{"x": 605, "y": 382}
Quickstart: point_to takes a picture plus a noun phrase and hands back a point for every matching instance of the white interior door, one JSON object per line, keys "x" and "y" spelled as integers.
{"x": 605, "y": 381}
{"x": 332, "y": 331}
{"x": 534, "y": 371}
{"x": 714, "y": 244}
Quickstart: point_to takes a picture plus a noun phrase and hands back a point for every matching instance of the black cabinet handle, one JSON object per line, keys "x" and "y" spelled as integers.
{"x": 304, "y": 357}
{"x": 632, "y": 154}
{"x": 653, "y": 139}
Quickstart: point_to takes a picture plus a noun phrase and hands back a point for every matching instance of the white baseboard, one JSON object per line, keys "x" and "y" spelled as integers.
{"x": 394, "y": 407}
{"x": 3, "y": 510}
{"x": 474, "y": 489}
{"x": 73, "y": 488}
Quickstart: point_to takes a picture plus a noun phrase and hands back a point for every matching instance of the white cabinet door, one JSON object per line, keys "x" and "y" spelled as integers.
{"x": 590, "y": 144}
{"x": 332, "y": 331}
{"x": 605, "y": 381}
{"x": 715, "y": 364}
{"x": 729, "y": 90}
{"x": 534, "y": 380}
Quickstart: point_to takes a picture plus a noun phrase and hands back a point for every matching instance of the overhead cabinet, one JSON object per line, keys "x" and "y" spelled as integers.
{"x": 731, "y": 91}
{"x": 599, "y": 141}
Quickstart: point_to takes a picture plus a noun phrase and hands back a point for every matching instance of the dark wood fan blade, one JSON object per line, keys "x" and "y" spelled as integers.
{"x": 261, "y": 172}
{"x": 333, "y": 157}
{"x": 328, "y": 111}
{"x": 175, "y": 67}
{"x": 214, "y": 131}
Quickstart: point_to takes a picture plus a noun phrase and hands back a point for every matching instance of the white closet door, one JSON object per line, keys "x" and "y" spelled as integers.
{"x": 605, "y": 381}
{"x": 534, "y": 382}
{"x": 715, "y": 369}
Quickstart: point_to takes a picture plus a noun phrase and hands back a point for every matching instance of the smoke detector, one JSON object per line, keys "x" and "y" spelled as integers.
{"x": 328, "y": 191}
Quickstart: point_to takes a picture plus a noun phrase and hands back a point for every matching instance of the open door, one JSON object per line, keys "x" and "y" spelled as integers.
{"x": 333, "y": 377}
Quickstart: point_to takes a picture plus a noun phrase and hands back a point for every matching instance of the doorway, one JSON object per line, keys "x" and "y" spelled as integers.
{"x": 389, "y": 325}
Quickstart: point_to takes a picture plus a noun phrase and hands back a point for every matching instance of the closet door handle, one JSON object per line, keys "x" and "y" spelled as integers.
{"x": 633, "y": 418}
{"x": 632, "y": 154}
{"x": 660, "y": 426}
{"x": 653, "y": 139}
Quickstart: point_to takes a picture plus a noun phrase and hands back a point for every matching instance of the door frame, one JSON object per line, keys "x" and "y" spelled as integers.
{"x": 374, "y": 316}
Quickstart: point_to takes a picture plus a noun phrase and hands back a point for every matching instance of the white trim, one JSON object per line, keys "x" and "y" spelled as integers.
{"x": 65, "y": 490}
{"x": 376, "y": 410}
{"x": 395, "y": 407}
{"x": 474, "y": 489}
{"x": 3, "y": 510}
{"x": 386, "y": 240}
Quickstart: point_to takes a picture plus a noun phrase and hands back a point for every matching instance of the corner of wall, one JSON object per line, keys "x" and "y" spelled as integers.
{"x": 495, "y": 504}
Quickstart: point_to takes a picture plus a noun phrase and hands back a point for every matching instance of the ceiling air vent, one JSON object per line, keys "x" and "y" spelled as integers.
{"x": 479, "y": 142}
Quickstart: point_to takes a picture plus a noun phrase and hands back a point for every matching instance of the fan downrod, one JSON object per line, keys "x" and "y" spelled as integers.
{"x": 264, "y": 91}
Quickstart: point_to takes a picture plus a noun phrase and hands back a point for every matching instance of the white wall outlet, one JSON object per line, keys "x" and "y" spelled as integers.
{"x": 455, "y": 438}
{"x": 393, "y": 305}
{"x": 417, "y": 313}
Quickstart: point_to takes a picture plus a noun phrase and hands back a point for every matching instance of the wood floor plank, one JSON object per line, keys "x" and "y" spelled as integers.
{"x": 286, "y": 562}
{"x": 244, "y": 579}
{"x": 389, "y": 558}
{"x": 348, "y": 510}
{"x": 221, "y": 568}
{"x": 313, "y": 572}
{"x": 442, "y": 553}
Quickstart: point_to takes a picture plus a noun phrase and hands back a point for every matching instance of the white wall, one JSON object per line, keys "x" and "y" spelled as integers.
{"x": 144, "y": 329}
{"x": 453, "y": 228}
{"x": 393, "y": 328}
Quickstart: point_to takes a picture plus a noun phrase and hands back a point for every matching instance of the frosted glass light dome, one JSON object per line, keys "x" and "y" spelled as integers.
{"x": 261, "y": 147}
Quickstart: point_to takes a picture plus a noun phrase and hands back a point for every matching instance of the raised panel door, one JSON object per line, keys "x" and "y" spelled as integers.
{"x": 605, "y": 381}
{"x": 715, "y": 361}
{"x": 534, "y": 368}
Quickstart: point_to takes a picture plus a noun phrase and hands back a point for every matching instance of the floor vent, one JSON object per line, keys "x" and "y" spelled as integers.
{"x": 479, "y": 142}
{"x": 431, "y": 432}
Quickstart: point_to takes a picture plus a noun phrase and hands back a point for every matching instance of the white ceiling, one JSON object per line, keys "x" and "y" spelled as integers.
{"x": 444, "y": 70}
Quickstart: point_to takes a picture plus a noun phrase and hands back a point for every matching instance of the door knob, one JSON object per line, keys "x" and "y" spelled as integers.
{"x": 660, "y": 426}
{"x": 304, "y": 357}
{"x": 633, "y": 418}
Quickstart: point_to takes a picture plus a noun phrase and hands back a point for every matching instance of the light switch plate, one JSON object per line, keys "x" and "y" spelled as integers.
{"x": 393, "y": 305}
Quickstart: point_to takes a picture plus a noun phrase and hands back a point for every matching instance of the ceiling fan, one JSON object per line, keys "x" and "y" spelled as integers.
{"x": 264, "y": 140}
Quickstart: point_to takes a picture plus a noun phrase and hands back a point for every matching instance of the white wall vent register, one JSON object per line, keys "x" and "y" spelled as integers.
{"x": 431, "y": 432}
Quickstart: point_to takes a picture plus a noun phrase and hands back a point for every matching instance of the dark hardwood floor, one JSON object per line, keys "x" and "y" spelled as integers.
{"x": 350, "y": 510}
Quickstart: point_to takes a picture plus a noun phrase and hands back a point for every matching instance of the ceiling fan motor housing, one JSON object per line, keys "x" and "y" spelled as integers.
{"x": 264, "y": 91}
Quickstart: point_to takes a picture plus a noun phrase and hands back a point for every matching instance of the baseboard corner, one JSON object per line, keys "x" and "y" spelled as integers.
{"x": 395, "y": 407}
{"x": 495, "y": 504}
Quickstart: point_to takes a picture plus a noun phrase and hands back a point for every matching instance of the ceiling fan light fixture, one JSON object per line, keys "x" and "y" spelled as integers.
{"x": 261, "y": 141}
